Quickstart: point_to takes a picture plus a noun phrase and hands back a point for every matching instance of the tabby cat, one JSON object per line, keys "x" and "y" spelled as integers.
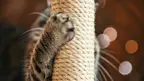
{"x": 57, "y": 31}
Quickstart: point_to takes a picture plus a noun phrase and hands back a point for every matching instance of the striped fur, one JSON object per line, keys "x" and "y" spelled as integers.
{"x": 57, "y": 31}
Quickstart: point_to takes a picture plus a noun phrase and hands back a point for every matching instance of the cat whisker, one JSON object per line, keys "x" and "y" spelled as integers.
{"x": 38, "y": 13}
{"x": 30, "y": 30}
{"x": 104, "y": 59}
{"x": 26, "y": 34}
{"x": 106, "y": 72}
{"x": 108, "y": 50}
{"x": 103, "y": 75}
{"x": 111, "y": 56}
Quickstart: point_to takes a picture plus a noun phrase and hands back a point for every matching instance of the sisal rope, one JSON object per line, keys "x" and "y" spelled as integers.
{"x": 75, "y": 61}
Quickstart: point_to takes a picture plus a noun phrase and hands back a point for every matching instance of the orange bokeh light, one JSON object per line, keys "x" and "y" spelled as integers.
{"x": 131, "y": 46}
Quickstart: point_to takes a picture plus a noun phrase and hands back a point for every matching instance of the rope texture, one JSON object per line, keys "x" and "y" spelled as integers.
{"x": 75, "y": 61}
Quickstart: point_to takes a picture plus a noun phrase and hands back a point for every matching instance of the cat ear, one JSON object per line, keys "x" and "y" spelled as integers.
{"x": 48, "y": 3}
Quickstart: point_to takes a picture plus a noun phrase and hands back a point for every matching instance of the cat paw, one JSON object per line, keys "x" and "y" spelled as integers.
{"x": 65, "y": 26}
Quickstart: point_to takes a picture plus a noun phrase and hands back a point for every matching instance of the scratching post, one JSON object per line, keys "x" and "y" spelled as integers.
{"x": 75, "y": 61}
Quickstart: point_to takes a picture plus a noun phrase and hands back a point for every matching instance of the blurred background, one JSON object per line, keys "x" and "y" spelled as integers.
{"x": 17, "y": 11}
{"x": 120, "y": 29}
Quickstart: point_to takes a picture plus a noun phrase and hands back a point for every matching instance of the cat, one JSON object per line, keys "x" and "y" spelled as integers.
{"x": 97, "y": 48}
{"x": 57, "y": 31}
{"x": 40, "y": 77}
{"x": 43, "y": 17}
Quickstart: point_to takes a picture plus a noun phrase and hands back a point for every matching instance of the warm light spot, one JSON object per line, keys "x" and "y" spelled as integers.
{"x": 111, "y": 32}
{"x": 131, "y": 46}
{"x": 104, "y": 40}
{"x": 125, "y": 68}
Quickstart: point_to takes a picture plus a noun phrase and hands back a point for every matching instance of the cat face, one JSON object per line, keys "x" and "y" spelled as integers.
{"x": 62, "y": 27}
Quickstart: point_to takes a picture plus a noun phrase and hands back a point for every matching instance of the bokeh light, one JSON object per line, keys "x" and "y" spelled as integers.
{"x": 125, "y": 68}
{"x": 131, "y": 46}
{"x": 104, "y": 40}
{"x": 111, "y": 32}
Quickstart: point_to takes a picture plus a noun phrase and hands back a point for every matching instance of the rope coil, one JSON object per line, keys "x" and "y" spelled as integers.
{"x": 75, "y": 61}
